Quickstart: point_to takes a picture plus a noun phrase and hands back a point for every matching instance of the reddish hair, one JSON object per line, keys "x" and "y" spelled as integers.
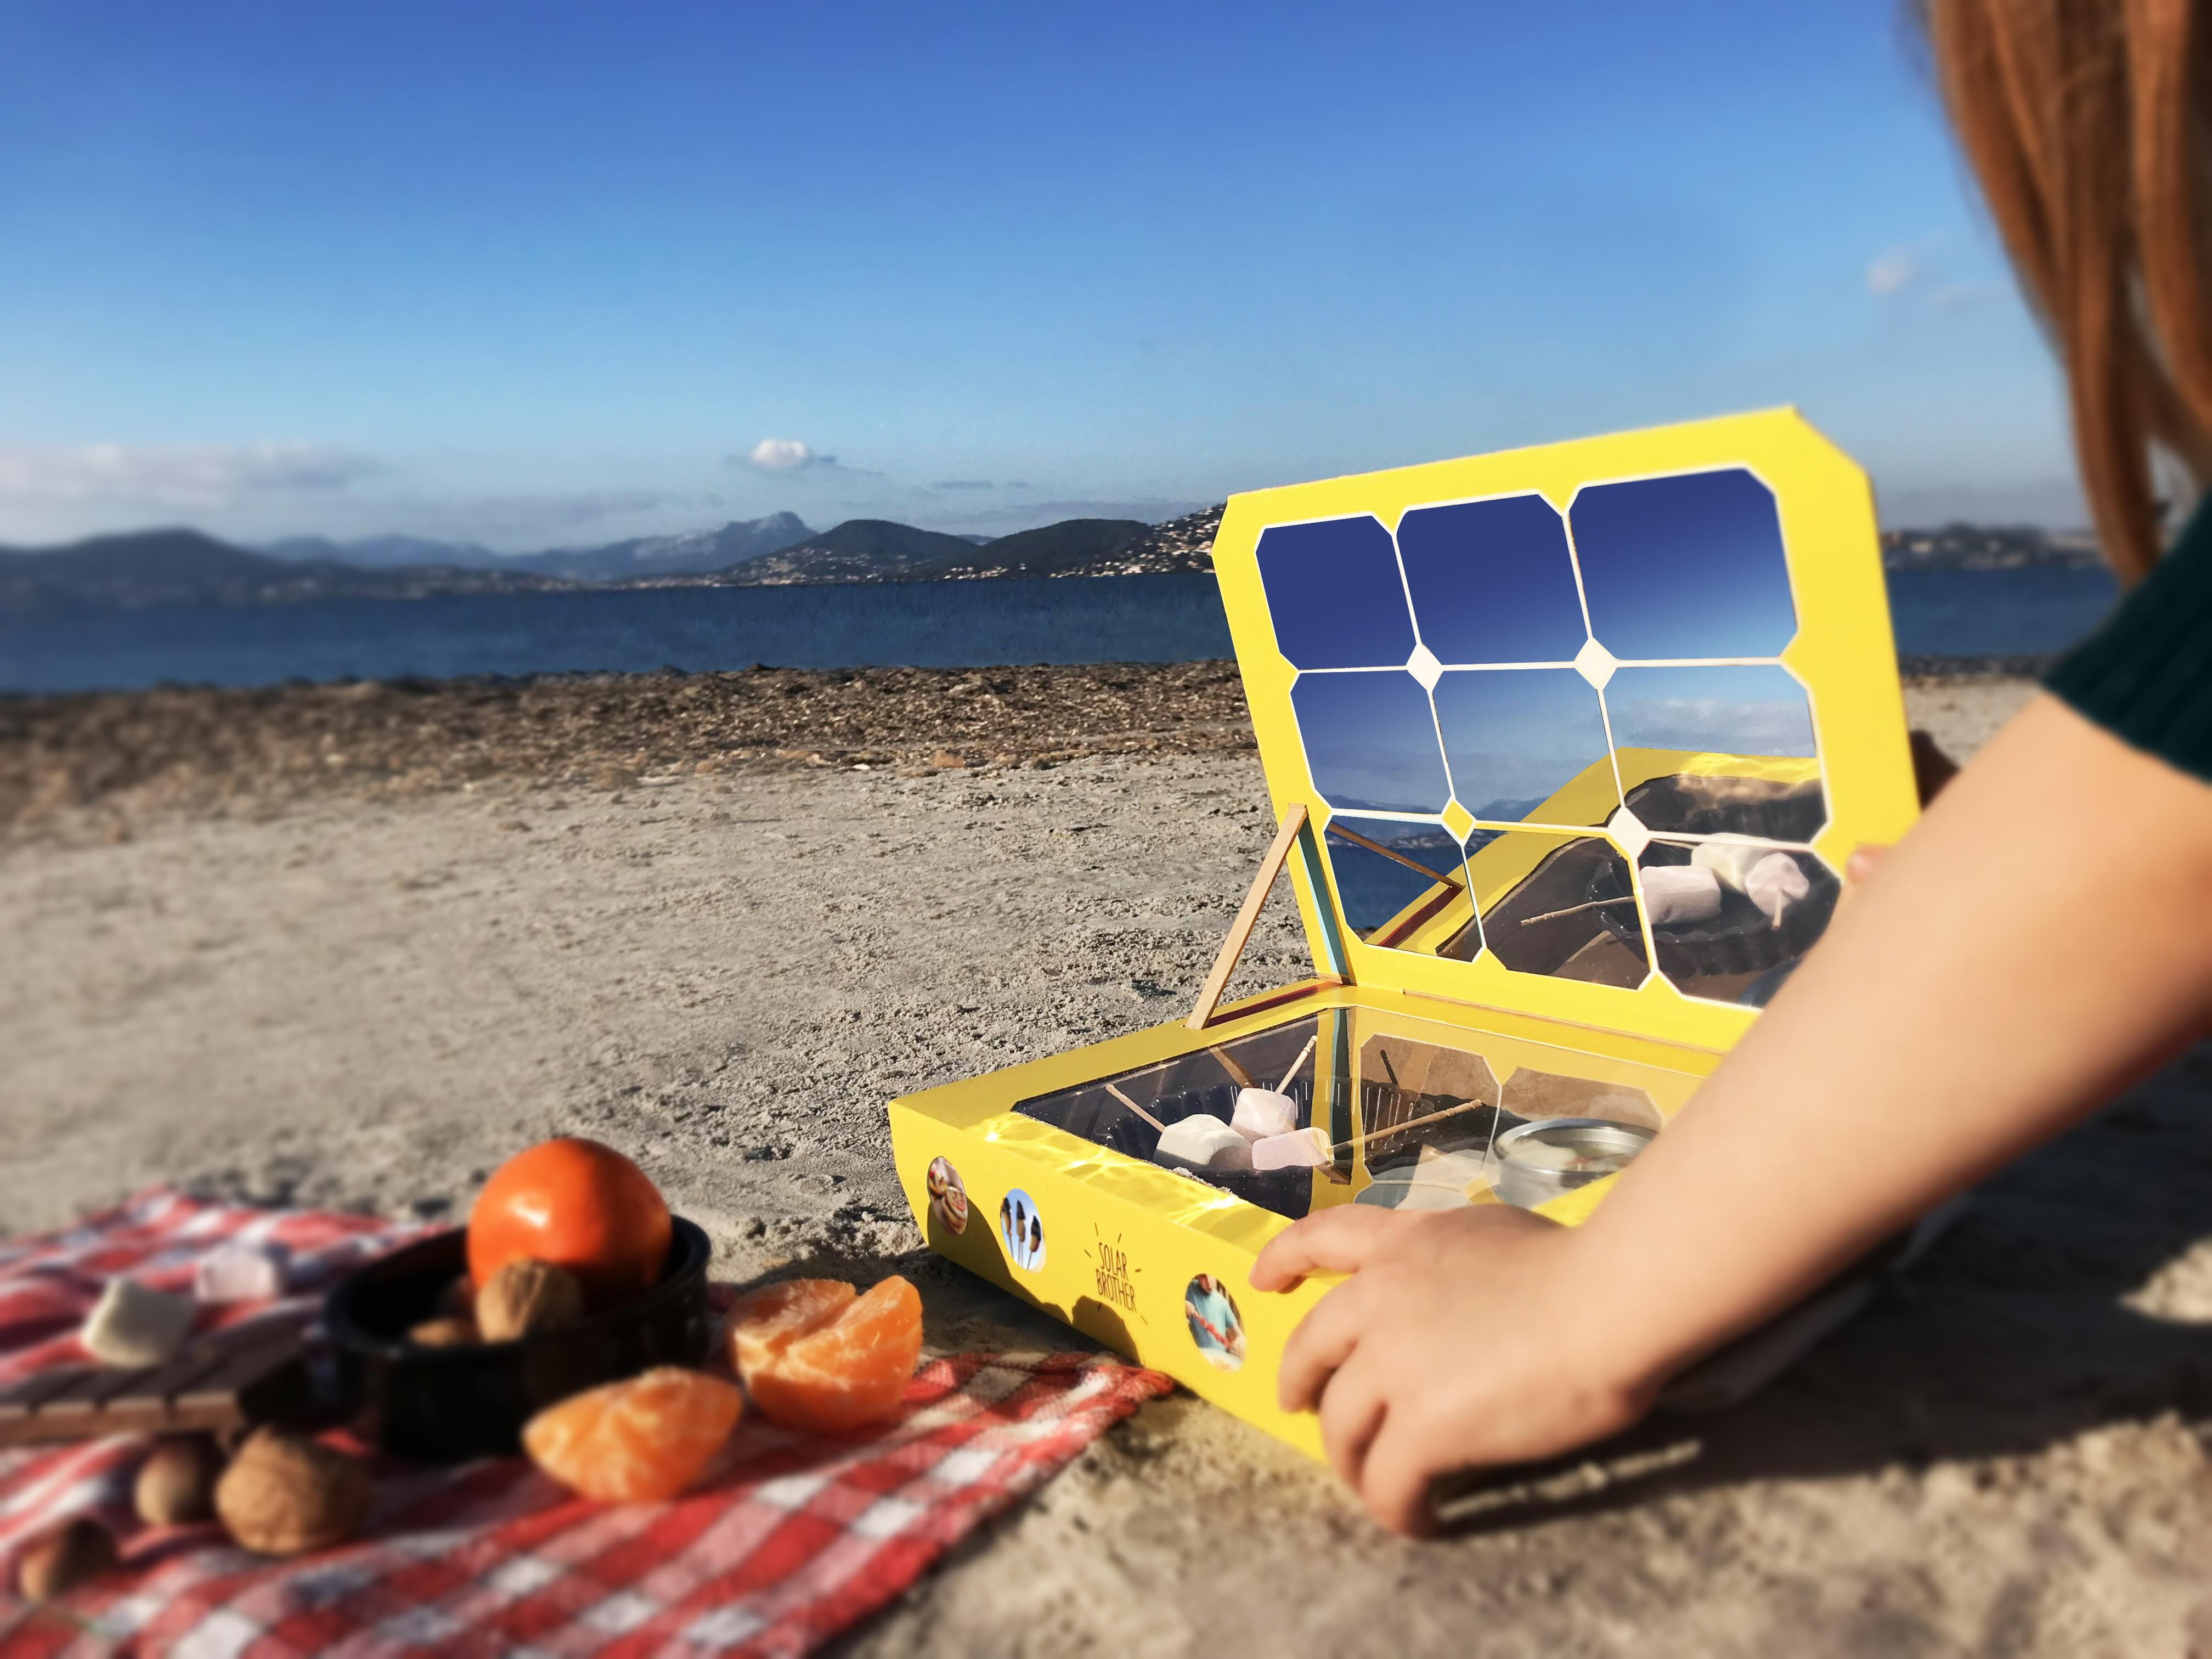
{"x": 2084, "y": 121}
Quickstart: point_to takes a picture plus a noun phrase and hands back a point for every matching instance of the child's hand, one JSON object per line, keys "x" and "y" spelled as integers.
{"x": 1463, "y": 1337}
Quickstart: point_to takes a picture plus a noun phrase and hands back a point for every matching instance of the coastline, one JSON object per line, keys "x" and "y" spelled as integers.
{"x": 98, "y": 764}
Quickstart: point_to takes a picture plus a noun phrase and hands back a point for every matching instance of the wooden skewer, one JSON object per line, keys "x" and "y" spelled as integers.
{"x": 1364, "y": 1136}
{"x": 1138, "y": 1109}
{"x": 1576, "y": 909}
{"x": 1358, "y": 840}
{"x": 1299, "y": 1061}
{"x": 1237, "y": 1074}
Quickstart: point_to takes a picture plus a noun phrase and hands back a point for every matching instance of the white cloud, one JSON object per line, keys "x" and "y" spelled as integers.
{"x": 180, "y": 475}
{"x": 787, "y": 454}
{"x": 1894, "y": 272}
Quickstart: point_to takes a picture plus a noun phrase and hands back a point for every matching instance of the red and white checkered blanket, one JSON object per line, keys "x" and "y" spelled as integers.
{"x": 789, "y": 1539}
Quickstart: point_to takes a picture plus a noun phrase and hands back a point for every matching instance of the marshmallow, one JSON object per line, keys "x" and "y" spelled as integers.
{"x": 1262, "y": 1112}
{"x": 132, "y": 1325}
{"x": 1679, "y": 894}
{"x": 1730, "y": 858}
{"x": 1301, "y": 1149}
{"x": 238, "y": 1272}
{"x": 1776, "y": 883}
{"x": 1205, "y": 1142}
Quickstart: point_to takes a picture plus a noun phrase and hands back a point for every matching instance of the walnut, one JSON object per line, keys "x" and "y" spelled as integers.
{"x": 458, "y": 1300}
{"x": 451, "y": 1331}
{"x": 57, "y": 1564}
{"x": 526, "y": 1297}
{"x": 176, "y": 1483}
{"x": 284, "y": 1494}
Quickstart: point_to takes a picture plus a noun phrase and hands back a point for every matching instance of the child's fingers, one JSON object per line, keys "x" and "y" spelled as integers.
{"x": 1323, "y": 1341}
{"x": 1865, "y": 860}
{"x": 1352, "y": 1407}
{"x": 1394, "y": 1483}
{"x": 1340, "y": 1239}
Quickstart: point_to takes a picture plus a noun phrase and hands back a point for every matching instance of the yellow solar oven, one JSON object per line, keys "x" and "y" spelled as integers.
{"x": 1567, "y": 746}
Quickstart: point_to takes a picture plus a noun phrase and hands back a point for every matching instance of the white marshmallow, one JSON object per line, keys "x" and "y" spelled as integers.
{"x": 238, "y": 1272}
{"x": 1301, "y": 1149}
{"x": 1262, "y": 1112}
{"x": 1676, "y": 894}
{"x": 1776, "y": 883}
{"x": 1206, "y": 1141}
{"x": 1730, "y": 857}
{"x": 131, "y": 1325}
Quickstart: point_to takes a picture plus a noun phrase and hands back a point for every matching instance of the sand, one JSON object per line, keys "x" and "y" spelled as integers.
{"x": 329, "y": 1000}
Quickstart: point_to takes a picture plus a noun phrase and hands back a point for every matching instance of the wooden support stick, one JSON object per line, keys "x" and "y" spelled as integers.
{"x": 1248, "y": 917}
{"x": 1299, "y": 1061}
{"x": 1358, "y": 840}
{"x": 1138, "y": 1109}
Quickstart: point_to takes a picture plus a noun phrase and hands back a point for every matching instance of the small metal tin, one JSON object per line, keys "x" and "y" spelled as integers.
{"x": 1526, "y": 1184}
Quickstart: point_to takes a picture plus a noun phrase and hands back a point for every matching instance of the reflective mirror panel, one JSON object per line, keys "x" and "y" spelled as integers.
{"x": 1687, "y": 565}
{"x": 1526, "y": 743}
{"x": 1370, "y": 742}
{"x": 1554, "y": 904}
{"x": 1491, "y": 581}
{"x": 1708, "y": 751}
{"x": 1732, "y": 916}
{"x": 1667, "y": 715}
{"x": 1334, "y": 594}
{"x": 1402, "y": 883}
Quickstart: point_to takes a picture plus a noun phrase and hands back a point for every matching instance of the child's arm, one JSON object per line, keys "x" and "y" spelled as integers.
{"x": 2041, "y": 938}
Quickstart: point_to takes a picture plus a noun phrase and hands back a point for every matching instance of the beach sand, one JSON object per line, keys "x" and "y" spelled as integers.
{"x": 336, "y": 992}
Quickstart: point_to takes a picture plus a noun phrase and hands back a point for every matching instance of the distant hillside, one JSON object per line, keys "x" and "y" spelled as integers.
{"x": 857, "y": 550}
{"x": 384, "y": 552}
{"x": 1184, "y": 544}
{"x": 1073, "y": 547}
{"x": 1985, "y": 547}
{"x": 689, "y": 553}
{"x": 183, "y": 567}
{"x": 693, "y": 552}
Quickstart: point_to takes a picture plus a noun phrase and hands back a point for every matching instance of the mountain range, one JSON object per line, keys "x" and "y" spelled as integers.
{"x": 153, "y": 567}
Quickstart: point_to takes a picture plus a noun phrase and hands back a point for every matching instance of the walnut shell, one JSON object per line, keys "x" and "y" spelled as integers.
{"x": 526, "y": 1297}
{"x": 454, "y": 1331}
{"x": 176, "y": 1483}
{"x": 70, "y": 1555}
{"x": 458, "y": 1300}
{"x": 284, "y": 1494}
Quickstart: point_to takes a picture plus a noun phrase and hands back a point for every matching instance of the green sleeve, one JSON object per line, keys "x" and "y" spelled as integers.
{"x": 2146, "y": 675}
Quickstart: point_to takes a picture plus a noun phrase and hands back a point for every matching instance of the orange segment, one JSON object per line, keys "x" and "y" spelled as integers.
{"x": 817, "y": 1356}
{"x": 644, "y": 1438}
{"x": 765, "y": 1323}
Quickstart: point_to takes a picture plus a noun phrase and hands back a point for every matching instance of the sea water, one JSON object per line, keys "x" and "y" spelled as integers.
{"x": 1175, "y": 618}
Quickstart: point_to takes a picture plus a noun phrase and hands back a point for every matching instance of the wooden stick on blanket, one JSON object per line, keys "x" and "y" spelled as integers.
{"x": 1284, "y": 1085}
{"x": 1138, "y": 1109}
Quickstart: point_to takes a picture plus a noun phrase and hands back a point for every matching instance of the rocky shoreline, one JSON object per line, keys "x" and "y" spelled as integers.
{"x": 93, "y": 764}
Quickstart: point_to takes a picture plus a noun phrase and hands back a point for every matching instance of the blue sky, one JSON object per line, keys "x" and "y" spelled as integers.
{"x": 551, "y": 273}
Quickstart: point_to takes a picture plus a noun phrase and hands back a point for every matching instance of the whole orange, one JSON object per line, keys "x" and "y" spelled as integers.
{"x": 580, "y": 1206}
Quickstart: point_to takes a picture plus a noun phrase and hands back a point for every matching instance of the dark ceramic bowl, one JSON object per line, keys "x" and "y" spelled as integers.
{"x": 447, "y": 1404}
